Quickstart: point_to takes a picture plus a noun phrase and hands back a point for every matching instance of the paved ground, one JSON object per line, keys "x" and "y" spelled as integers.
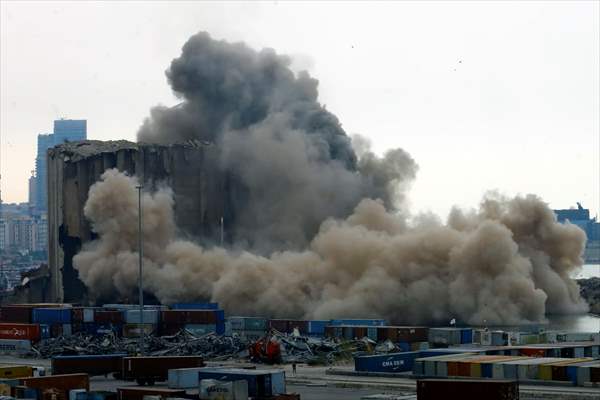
{"x": 313, "y": 383}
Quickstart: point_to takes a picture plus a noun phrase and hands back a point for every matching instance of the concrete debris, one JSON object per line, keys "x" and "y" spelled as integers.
{"x": 293, "y": 348}
{"x": 312, "y": 350}
{"x": 210, "y": 345}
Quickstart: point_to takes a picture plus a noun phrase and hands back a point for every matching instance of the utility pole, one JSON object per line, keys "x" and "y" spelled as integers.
{"x": 141, "y": 255}
{"x": 221, "y": 231}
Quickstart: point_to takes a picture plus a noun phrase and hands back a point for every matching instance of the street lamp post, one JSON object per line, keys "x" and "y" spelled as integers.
{"x": 141, "y": 255}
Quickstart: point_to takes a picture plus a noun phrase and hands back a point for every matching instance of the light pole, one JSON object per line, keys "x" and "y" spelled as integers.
{"x": 141, "y": 255}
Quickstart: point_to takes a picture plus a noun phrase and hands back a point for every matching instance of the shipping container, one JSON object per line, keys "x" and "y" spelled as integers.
{"x": 60, "y": 383}
{"x": 96, "y": 364}
{"x": 108, "y": 317}
{"x": 101, "y": 395}
{"x": 20, "y": 331}
{"x": 232, "y": 390}
{"x": 147, "y": 317}
{"x": 466, "y": 335}
{"x": 138, "y": 393}
{"x": 151, "y": 369}
{"x": 82, "y": 314}
{"x": 261, "y": 383}
{"x": 192, "y": 316}
{"x": 10, "y": 346}
{"x": 288, "y": 325}
{"x": 247, "y": 323}
{"x": 184, "y": 378}
{"x": 135, "y": 330}
{"x": 15, "y": 371}
{"x": 358, "y": 322}
{"x": 467, "y": 389}
{"x": 392, "y": 362}
{"x": 317, "y": 327}
{"x": 16, "y": 313}
{"x": 499, "y": 338}
{"x": 195, "y": 306}
{"x": 445, "y": 336}
{"x": 51, "y": 315}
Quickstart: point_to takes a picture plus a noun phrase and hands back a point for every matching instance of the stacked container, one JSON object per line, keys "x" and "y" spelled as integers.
{"x": 196, "y": 321}
{"x": 252, "y": 328}
{"x": 57, "y": 318}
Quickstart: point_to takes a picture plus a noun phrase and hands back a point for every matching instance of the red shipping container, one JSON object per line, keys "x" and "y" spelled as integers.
{"x": 108, "y": 317}
{"x": 189, "y": 316}
{"x": 282, "y": 325}
{"x": 16, "y": 313}
{"x": 20, "y": 331}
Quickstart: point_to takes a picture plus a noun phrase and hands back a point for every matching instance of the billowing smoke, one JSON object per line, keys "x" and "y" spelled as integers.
{"x": 509, "y": 262}
{"x": 321, "y": 231}
{"x": 292, "y": 155}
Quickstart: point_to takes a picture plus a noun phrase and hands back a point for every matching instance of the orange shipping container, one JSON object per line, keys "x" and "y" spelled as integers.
{"x": 61, "y": 383}
{"x": 20, "y": 331}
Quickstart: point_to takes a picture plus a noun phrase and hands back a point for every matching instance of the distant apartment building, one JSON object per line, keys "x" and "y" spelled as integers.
{"x": 65, "y": 130}
{"x": 23, "y": 233}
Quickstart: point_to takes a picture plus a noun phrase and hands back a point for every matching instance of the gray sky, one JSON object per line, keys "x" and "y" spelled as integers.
{"x": 484, "y": 95}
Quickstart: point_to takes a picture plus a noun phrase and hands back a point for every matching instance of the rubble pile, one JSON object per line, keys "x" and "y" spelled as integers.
{"x": 210, "y": 345}
{"x": 324, "y": 351}
{"x": 294, "y": 347}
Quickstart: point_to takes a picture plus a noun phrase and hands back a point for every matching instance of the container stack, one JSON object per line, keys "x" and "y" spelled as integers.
{"x": 196, "y": 321}
{"x": 251, "y": 328}
{"x": 408, "y": 338}
{"x": 576, "y": 371}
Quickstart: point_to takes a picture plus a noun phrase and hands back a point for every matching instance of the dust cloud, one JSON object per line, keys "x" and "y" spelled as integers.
{"x": 506, "y": 263}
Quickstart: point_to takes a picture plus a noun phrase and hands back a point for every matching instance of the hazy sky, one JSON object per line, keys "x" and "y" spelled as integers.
{"x": 485, "y": 95}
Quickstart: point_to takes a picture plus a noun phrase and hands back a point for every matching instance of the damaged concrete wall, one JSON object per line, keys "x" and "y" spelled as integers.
{"x": 202, "y": 194}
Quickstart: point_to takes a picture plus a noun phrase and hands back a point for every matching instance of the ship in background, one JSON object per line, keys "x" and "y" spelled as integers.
{"x": 581, "y": 217}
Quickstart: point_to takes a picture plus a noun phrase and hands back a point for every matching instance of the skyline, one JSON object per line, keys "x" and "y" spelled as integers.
{"x": 469, "y": 112}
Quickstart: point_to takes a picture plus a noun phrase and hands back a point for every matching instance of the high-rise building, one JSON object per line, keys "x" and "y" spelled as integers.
{"x": 65, "y": 130}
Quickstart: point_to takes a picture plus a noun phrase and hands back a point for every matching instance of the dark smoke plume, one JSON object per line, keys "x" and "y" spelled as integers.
{"x": 289, "y": 152}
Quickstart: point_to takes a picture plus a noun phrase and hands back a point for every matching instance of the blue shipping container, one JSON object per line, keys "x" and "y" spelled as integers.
{"x": 466, "y": 336}
{"x": 51, "y": 315}
{"x": 316, "y": 327}
{"x": 195, "y": 306}
{"x": 358, "y": 322}
{"x": 220, "y": 315}
{"x": 45, "y": 331}
{"x": 220, "y": 327}
{"x": 487, "y": 370}
{"x": 393, "y": 362}
{"x": 404, "y": 346}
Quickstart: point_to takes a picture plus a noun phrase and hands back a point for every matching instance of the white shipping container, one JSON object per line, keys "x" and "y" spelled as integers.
{"x": 88, "y": 315}
{"x": 184, "y": 378}
{"x": 73, "y": 393}
{"x": 150, "y": 317}
{"x": 211, "y": 389}
{"x": 10, "y": 346}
